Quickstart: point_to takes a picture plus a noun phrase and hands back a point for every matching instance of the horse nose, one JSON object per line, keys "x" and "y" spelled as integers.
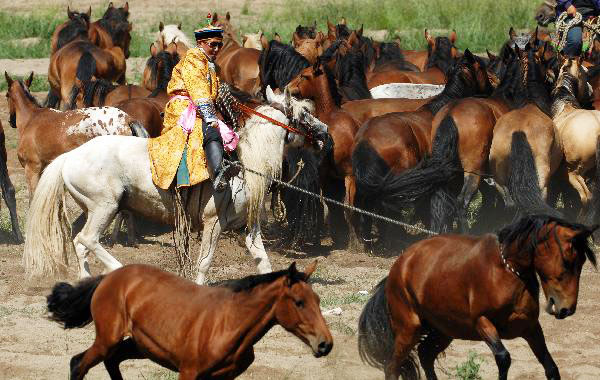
{"x": 324, "y": 348}
{"x": 563, "y": 313}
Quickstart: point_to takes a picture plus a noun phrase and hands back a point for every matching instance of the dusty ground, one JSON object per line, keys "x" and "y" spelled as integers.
{"x": 31, "y": 347}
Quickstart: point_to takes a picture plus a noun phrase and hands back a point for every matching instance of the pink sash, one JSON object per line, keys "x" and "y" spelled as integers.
{"x": 188, "y": 118}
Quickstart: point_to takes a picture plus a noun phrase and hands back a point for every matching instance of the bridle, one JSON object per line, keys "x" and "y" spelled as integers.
{"x": 250, "y": 111}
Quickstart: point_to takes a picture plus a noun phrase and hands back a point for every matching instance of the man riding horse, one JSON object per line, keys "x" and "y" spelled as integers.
{"x": 587, "y": 9}
{"x": 190, "y": 148}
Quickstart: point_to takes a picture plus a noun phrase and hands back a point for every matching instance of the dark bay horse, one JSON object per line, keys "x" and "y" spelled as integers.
{"x": 8, "y": 190}
{"x": 390, "y": 144}
{"x": 441, "y": 53}
{"x": 207, "y": 333}
{"x": 113, "y": 29}
{"x": 76, "y": 27}
{"x": 46, "y": 133}
{"x": 481, "y": 288}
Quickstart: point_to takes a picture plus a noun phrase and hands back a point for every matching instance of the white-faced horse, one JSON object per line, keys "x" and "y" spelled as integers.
{"x": 172, "y": 34}
{"x": 113, "y": 172}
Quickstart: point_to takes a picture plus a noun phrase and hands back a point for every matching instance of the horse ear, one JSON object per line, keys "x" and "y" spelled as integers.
{"x": 215, "y": 17}
{"x": 429, "y": 39}
{"x": 320, "y": 37}
{"x": 491, "y": 56}
{"x": 179, "y": 26}
{"x": 287, "y": 102}
{"x": 343, "y": 21}
{"x": 227, "y": 16}
{"x": 153, "y": 49}
{"x": 296, "y": 40}
{"x": 244, "y": 39}
{"x": 310, "y": 269}
{"x": 69, "y": 13}
{"x": 359, "y": 33}
{"x": 126, "y": 7}
{"x": 535, "y": 36}
{"x": 469, "y": 56}
{"x": 110, "y": 5}
{"x": 453, "y": 37}
{"x": 172, "y": 48}
{"x": 512, "y": 34}
{"x": 89, "y": 12}
{"x": 315, "y": 24}
{"x": 270, "y": 94}
{"x": 330, "y": 27}
{"x": 292, "y": 270}
{"x": 161, "y": 26}
{"x": 264, "y": 42}
{"x": 8, "y": 79}
{"x": 277, "y": 37}
{"x": 29, "y": 80}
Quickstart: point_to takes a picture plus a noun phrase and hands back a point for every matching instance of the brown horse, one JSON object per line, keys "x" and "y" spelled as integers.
{"x": 364, "y": 109}
{"x": 46, "y": 133}
{"x": 481, "y": 288}
{"x": 8, "y": 190}
{"x": 441, "y": 52}
{"x": 207, "y": 333}
{"x": 419, "y": 58}
{"x": 76, "y": 27}
{"x": 390, "y": 144}
{"x": 310, "y": 48}
{"x": 113, "y": 29}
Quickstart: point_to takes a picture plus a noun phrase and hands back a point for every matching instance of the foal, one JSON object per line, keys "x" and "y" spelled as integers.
{"x": 202, "y": 332}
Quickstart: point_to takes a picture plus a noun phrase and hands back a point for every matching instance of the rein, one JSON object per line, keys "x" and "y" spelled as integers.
{"x": 251, "y": 111}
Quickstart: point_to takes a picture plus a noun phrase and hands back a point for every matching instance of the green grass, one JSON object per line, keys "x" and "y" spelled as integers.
{"x": 332, "y": 301}
{"x": 479, "y": 24}
{"x": 469, "y": 370}
{"x": 40, "y": 83}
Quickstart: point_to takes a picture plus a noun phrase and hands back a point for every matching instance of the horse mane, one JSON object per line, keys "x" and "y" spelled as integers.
{"x": 227, "y": 96}
{"x": 529, "y": 227}
{"x": 441, "y": 57}
{"x": 248, "y": 283}
{"x": 333, "y": 88}
{"x": 169, "y": 62}
{"x": 279, "y": 64}
{"x": 351, "y": 76}
{"x": 306, "y": 32}
{"x": 342, "y": 31}
{"x": 92, "y": 88}
{"x": 76, "y": 27}
{"x": 459, "y": 85}
{"x": 389, "y": 52}
{"x": 28, "y": 94}
{"x": 331, "y": 51}
{"x": 565, "y": 93}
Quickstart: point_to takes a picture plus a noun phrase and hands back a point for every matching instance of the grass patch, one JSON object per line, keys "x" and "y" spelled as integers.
{"x": 469, "y": 370}
{"x": 470, "y": 18}
{"x": 331, "y": 301}
{"x": 162, "y": 375}
{"x": 39, "y": 84}
{"x": 342, "y": 328}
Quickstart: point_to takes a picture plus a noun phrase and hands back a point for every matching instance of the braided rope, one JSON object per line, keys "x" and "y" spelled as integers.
{"x": 333, "y": 201}
{"x": 563, "y": 26}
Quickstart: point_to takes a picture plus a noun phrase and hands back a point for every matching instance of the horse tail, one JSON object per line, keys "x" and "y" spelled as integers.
{"x": 86, "y": 68}
{"x": 523, "y": 180}
{"x": 70, "y": 305}
{"x": 303, "y": 211}
{"x": 52, "y": 99}
{"x": 369, "y": 170}
{"x": 48, "y": 230}
{"x": 429, "y": 176}
{"x": 376, "y": 339}
{"x": 138, "y": 129}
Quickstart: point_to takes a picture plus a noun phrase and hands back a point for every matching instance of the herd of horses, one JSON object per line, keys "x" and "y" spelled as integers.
{"x": 517, "y": 130}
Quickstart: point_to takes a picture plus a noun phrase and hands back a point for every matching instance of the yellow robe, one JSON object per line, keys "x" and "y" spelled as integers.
{"x": 192, "y": 77}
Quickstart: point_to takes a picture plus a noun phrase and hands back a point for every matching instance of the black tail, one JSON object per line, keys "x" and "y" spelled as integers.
{"x": 399, "y": 191}
{"x": 303, "y": 212}
{"x": 523, "y": 182}
{"x": 70, "y": 305}
{"x": 138, "y": 129}
{"x": 52, "y": 99}
{"x": 376, "y": 338}
{"x": 86, "y": 68}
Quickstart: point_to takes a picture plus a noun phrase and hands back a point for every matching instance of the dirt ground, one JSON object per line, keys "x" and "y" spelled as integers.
{"x": 31, "y": 347}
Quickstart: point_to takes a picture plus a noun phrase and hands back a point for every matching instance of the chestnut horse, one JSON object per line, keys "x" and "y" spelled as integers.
{"x": 113, "y": 29}
{"x": 128, "y": 309}
{"x": 390, "y": 144}
{"x": 76, "y": 27}
{"x": 168, "y": 34}
{"x": 45, "y": 133}
{"x": 481, "y": 288}
{"x": 441, "y": 52}
{"x": 8, "y": 190}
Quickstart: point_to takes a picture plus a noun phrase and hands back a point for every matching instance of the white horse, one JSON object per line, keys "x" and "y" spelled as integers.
{"x": 110, "y": 173}
{"x": 172, "y": 33}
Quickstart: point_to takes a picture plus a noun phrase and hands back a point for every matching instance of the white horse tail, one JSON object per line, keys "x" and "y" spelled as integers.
{"x": 48, "y": 232}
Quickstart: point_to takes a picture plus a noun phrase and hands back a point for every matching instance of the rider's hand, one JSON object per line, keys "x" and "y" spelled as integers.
{"x": 571, "y": 11}
{"x": 214, "y": 124}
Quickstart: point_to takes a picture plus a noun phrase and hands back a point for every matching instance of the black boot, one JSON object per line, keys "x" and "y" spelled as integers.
{"x": 214, "y": 160}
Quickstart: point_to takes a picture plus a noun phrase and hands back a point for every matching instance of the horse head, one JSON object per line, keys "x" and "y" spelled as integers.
{"x": 300, "y": 114}
{"x": 224, "y": 22}
{"x": 297, "y": 310}
{"x": 572, "y": 77}
{"x": 17, "y": 89}
{"x": 546, "y": 13}
{"x": 254, "y": 41}
{"x": 441, "y": 51}
{"x": 115, "y": 21}
{"x": 310, "y": 48}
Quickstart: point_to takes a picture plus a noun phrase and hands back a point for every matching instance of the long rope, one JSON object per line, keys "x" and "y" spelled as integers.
{"x": 563, "y": 26}
{"x": 333, "y": 201}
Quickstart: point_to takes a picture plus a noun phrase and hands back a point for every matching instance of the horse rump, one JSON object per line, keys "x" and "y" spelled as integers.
{"x": 523, "y": 180}
{"x": 70, "y": 305}
{"x": 376, "y": 339}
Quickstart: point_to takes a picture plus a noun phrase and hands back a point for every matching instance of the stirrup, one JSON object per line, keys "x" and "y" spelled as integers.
{"x": 221, "y": 181}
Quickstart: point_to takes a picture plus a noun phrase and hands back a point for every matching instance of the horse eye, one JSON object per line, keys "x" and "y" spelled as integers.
{"x": 300, "y": 304}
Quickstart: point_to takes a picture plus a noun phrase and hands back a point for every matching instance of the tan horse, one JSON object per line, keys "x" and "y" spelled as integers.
{"x": 45, "y": 133}
{"x": 168, "y": 34}
{"x": 310, "y": 48}
{"x": 254, "y": 41}
{"x": 577, "y": 130}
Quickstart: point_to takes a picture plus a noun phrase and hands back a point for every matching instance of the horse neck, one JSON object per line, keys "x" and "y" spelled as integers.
{"x": 230, "y": 44}
{"x": 25, "y": 110}
{"x": 324, "y": 102}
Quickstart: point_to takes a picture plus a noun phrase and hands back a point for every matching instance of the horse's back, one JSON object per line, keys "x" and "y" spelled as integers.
{"x": 577, "y": 134}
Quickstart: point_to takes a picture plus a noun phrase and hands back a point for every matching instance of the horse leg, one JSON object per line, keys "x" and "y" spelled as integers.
{"x": 210, "y": 236}
{"x": 353, "y": 242}
{"x": 537, "y": 343}
{"x": 489, "y": 334}
{"x": 32, "y": 174}
{"x": 334, "y": 188}
{"x": 131, "y": 233}
{"x": 8, "y": 191}
{"x": 82, "y": 254}
{"x": 470, "y": 186}
{"x": 402, "y": 364}
{"x": 114, "y": 235}
{"x": 97, "y": 221}
{"x": 125, "y": 350}
{"x": 256, "y": 248}
{"x": 434, "y": 344}
{"x": 578, "y": 182}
